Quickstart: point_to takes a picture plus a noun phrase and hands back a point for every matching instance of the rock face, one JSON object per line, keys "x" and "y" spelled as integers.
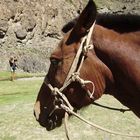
{"x": 31, "y": 29}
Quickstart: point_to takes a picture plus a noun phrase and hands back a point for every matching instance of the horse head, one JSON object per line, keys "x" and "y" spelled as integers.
{"x": 47, "y": 107}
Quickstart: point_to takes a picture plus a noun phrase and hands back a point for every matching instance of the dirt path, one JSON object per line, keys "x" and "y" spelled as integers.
{"x": 31, "y": 78}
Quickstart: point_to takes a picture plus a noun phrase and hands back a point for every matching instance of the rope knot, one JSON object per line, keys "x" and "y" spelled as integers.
{"x": 55, "y": 90}
{"x": 74, "y": 76}
{"x": 86, "y": 49}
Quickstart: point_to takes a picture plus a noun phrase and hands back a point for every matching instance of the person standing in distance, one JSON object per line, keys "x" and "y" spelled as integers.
{"x": 13, "y": 67}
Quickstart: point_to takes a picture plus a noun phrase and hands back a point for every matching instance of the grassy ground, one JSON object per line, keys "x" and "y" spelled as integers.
{"x": 6, "y": 75}
{"x": 18, "y": 123}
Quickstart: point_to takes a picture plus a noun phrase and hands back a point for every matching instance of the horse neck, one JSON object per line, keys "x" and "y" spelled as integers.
{"x": 105, "y": 42}
{"x": 117, "y": 50}
{"x": 114, "y": 48}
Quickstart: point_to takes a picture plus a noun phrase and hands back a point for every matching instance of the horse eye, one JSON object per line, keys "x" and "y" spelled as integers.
{"x": 55, "y": 61}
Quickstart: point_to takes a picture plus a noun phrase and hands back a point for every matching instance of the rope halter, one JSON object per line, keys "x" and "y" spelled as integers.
{"x": 74, "y": 75}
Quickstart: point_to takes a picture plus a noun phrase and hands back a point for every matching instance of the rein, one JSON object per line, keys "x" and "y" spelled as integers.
{"x": 111, "y": 108}
{"x": 74, "y": 75}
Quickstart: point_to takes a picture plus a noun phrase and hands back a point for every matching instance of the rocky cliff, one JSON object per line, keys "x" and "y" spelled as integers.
{"x": 30, "y": 29}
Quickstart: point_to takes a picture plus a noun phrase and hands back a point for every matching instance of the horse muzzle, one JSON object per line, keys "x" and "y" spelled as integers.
{"x": 49, "y": 120}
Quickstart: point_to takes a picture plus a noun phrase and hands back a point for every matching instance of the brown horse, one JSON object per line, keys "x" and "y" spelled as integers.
{"x": 113, "y": 65}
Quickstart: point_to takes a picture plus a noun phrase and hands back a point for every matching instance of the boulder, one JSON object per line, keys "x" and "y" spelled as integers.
{"x": 20, "y": 32}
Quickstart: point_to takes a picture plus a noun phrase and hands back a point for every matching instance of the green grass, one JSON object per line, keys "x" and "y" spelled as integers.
{"x": 18, "y": 91}
{"x": 18, "y": 123}
{"x": 6, "y": 75}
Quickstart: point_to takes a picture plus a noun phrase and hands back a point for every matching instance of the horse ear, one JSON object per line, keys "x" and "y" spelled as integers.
{"x": 85, "y": 21}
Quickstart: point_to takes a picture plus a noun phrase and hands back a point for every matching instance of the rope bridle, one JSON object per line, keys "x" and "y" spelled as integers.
{"x": 74, "y": 76}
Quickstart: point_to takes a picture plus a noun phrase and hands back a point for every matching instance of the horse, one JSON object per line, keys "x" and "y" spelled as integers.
{"x": 109, "y": 65}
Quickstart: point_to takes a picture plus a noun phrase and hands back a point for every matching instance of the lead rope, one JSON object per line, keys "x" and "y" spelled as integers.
{"x": 67, "y": 109}
{"x": 66, "y": 125}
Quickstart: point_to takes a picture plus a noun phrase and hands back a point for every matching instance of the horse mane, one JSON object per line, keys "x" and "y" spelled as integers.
{"x": 120, "y": 23}
{"x": 123, "y": 23}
